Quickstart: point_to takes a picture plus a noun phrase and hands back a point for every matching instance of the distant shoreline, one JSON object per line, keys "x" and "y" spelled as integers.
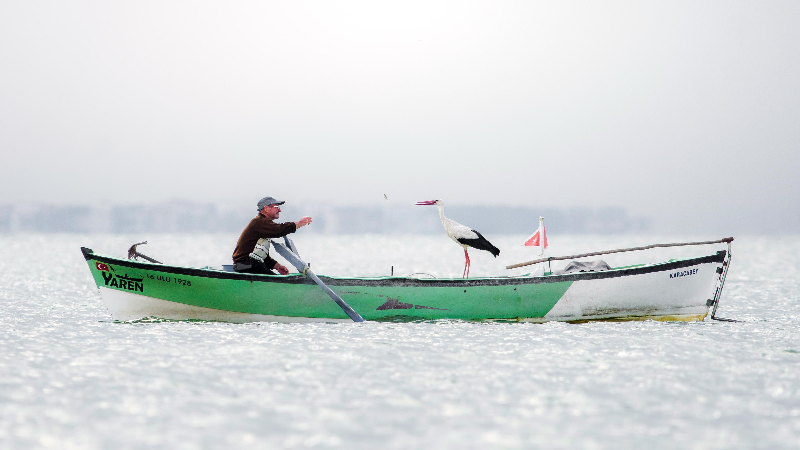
{"x": 188, "y": 217}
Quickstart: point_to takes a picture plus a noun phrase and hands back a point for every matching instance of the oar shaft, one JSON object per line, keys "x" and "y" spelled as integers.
{"x": 302, "y": 267}
{"x": 351, "y": 313}
{"x": 584, "y": 255}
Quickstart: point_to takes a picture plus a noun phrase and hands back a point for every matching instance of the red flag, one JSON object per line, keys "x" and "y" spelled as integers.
{"x": 539, "y": 237}
{"x": 533, "y": 241}
{"x": 102, "y": 267}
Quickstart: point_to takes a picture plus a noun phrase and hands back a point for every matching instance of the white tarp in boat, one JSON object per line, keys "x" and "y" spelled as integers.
{"x": 583, "y": 266}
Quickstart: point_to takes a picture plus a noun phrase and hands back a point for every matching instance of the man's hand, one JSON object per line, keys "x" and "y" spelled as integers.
{"x": 303, "y": 222}
{"x": 281, "y": 269}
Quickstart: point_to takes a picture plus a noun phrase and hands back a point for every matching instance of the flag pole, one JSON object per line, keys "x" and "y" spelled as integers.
{"x": 541, "y": 236}
{"x": 541, "y": 240}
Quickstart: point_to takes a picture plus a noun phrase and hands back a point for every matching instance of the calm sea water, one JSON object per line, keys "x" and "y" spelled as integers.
{"x": 70, "y": 378}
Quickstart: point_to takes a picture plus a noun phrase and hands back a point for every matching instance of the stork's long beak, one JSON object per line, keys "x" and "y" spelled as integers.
{"x": 426, "y": 203}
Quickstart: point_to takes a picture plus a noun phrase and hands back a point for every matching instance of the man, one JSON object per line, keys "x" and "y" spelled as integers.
{"x": 250, "y": 256}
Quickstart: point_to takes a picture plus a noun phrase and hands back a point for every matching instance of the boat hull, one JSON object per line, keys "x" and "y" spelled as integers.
{"x": 125, "y": 306}
{"x": 676, "y": 290}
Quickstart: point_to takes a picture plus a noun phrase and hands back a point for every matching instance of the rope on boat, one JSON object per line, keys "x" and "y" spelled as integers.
{"x": 420, "y": 273}
{"x": 727, "y": 240}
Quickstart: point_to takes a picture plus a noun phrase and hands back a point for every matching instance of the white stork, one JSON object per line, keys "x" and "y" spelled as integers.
{"x": 464, "y": 236}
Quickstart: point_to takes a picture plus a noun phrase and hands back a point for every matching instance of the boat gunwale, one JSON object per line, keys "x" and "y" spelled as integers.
{"x": 298, "y": 279}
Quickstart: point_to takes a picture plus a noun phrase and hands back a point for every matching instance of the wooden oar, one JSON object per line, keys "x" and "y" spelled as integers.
{"x": 303, "y": 268}
{"x": 679, "y": 244}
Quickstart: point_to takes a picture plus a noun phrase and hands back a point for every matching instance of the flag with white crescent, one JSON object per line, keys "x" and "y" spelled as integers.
{"x": 539, "y": 238}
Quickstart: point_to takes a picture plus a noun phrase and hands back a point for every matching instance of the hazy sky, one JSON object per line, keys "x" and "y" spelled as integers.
{"x": 685, "y": 112}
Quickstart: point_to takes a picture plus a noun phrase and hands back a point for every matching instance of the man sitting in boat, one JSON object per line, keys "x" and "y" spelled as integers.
{"x": 252, "y": 249}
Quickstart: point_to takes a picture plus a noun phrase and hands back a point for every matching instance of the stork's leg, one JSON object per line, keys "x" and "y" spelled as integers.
{"x": 466, "y": 265}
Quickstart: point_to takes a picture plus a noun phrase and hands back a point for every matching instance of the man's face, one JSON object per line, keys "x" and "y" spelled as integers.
{"x": 271, "y": 211}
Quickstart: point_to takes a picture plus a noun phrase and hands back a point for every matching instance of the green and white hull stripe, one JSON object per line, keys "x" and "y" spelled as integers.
{"x": 674, "y": 290}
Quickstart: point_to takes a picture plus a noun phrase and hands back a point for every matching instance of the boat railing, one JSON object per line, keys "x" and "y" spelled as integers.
{"x": 727, "y": 240}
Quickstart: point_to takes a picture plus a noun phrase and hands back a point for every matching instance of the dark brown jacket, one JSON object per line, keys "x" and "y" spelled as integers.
{"x": 258, "y": 228}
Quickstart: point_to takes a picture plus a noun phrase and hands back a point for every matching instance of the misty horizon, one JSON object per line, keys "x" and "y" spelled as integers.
{"x": 683, "y": 113}
{"x": 353, "y": 218}
{"x": 190, "y": 217}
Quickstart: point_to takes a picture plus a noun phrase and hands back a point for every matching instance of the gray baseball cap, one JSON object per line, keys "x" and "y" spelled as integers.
{"x": 266, "y": 201}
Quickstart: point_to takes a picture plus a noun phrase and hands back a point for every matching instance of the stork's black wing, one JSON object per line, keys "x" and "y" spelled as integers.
{"x": 481, "y": 244}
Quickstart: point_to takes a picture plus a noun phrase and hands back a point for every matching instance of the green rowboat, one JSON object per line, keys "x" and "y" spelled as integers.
{"x": 682, "y": 289}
